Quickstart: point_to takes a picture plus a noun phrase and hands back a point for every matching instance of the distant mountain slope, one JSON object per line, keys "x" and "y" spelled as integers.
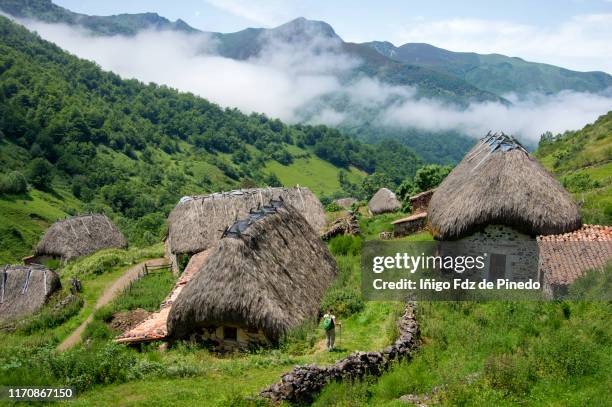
{"x": 582, "y": 160}
{"x": 125, "y": 24}
{"x": 496, "y": 73}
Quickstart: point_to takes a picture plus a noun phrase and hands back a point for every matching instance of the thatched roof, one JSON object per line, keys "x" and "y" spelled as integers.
{"x": 498, "y": 182}
{"x": 384, "y": 201}
{"x": 25, "y": 289}
{"x": 344, "y": 225}
{"x": 269, "y": 272}
{"x": 345, "y": 203}
{"x": 80, "y": 236}
{"x": 198, "y": 222}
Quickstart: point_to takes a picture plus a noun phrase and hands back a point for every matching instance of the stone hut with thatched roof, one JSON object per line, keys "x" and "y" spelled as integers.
{"x": 25, "y": 289}
{"x": 198, "y": 222}
{"x": 77, "y": 236}
{"x": 499, "y": 193}
{"x": 383, "y": 201}
{"x": 266, "y": 275}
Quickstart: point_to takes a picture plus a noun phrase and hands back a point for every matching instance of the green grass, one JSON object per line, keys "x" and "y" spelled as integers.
{"x": 499, "y": 353}
{"x": 147, "y": 293}
{"x": 371, "y": 227}
{"x": 312, "y": 172}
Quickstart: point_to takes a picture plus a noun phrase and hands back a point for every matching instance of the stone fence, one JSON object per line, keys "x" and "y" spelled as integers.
{"x": 303, "y": 383}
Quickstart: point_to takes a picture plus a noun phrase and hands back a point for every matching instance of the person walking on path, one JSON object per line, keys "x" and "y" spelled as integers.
{"x": 329, "y": 325}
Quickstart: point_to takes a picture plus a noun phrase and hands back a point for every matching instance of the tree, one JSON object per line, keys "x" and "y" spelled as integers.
{"x": 374, "y": 182}
{"x": 40, "y": 173}
{"x": 272, "y": 180}
{"x": 406, "y": 189}
{"x": 430, "y": 176}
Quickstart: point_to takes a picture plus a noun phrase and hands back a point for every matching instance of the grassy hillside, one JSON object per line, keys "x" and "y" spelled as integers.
{"x": 310, "y": 171}
{"x": 582, "y": 161}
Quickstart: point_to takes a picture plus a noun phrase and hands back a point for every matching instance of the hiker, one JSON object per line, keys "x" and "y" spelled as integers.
{"x": 329, "y": 325}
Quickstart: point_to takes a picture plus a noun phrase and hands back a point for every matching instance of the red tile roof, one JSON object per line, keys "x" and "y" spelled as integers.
{"x": 565, "y": 257}
{"x": 410, "y": 218}
{"x": 155, "y": 326}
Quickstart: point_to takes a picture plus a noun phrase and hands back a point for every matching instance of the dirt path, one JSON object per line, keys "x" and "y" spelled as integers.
{"x": 112, "y": 291}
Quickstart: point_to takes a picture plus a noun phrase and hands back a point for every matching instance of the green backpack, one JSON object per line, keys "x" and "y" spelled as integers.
{"x": 328, "y": 323}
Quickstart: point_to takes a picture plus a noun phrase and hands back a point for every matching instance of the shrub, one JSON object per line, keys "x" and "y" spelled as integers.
{"x": 333, "y": 207}
{"x": 344, "y": 301}
{"x": 511, "y": 374}
{"x": 56, "y": 312}
{"x": 567, "y": 355}
{"x": 579, "y": 182}
{"x": 81, "y": 367}
{"x": 345, "y": 245}
{"x": 13, "y": 183}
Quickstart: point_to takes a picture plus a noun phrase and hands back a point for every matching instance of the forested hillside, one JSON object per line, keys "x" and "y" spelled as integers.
{"x": 582, "y": 160}
{"x": 75, "y": 138}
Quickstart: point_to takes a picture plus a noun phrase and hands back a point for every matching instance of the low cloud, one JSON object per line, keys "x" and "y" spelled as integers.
{"x": 308, "y": 82}
{"x": 528, "y": 116}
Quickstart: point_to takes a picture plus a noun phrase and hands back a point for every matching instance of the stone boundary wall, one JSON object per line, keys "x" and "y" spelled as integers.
{"x": 303, "y": 383}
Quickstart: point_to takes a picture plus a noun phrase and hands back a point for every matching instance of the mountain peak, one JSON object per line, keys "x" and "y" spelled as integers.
{"x": 302, "y": 27}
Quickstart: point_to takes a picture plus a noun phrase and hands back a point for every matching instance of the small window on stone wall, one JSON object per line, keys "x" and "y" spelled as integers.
{"x": 497, "y": 267}
{"x": 252, "y": 330}
{"x": 229, "y": 333}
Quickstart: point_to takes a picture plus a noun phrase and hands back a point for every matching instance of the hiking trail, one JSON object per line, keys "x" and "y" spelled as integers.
{"x": 110, "y": 293}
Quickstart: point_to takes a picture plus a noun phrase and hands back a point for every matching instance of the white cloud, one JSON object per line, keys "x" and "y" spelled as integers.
{"x": 278, "y": 82}
{"x": 308, "y": 80}
{"x": 582, "y": 43}
{"x": 528, "y": 116}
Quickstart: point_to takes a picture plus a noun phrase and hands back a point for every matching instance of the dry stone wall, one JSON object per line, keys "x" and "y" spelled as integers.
{"x": 303, "y": 383}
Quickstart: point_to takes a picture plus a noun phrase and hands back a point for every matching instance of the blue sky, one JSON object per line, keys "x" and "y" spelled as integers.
{"x": 572, "y": 33}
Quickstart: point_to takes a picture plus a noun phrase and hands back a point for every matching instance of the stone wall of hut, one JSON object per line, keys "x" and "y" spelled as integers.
{"x": 245, "y": 337}
{"x": 409, "y": 227}
{"x": 515, "y": 252}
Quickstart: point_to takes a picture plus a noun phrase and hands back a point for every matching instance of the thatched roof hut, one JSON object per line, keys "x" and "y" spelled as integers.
{"x": 383, "y": 201}
{"x": 197, "y": 222}
{"x": 80, "y": 236}
{"x": 345, "y": 203}
{"x": 25, "y": 289}
{"x": 498, "y": 182}
{"x": 267, "y": 274}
